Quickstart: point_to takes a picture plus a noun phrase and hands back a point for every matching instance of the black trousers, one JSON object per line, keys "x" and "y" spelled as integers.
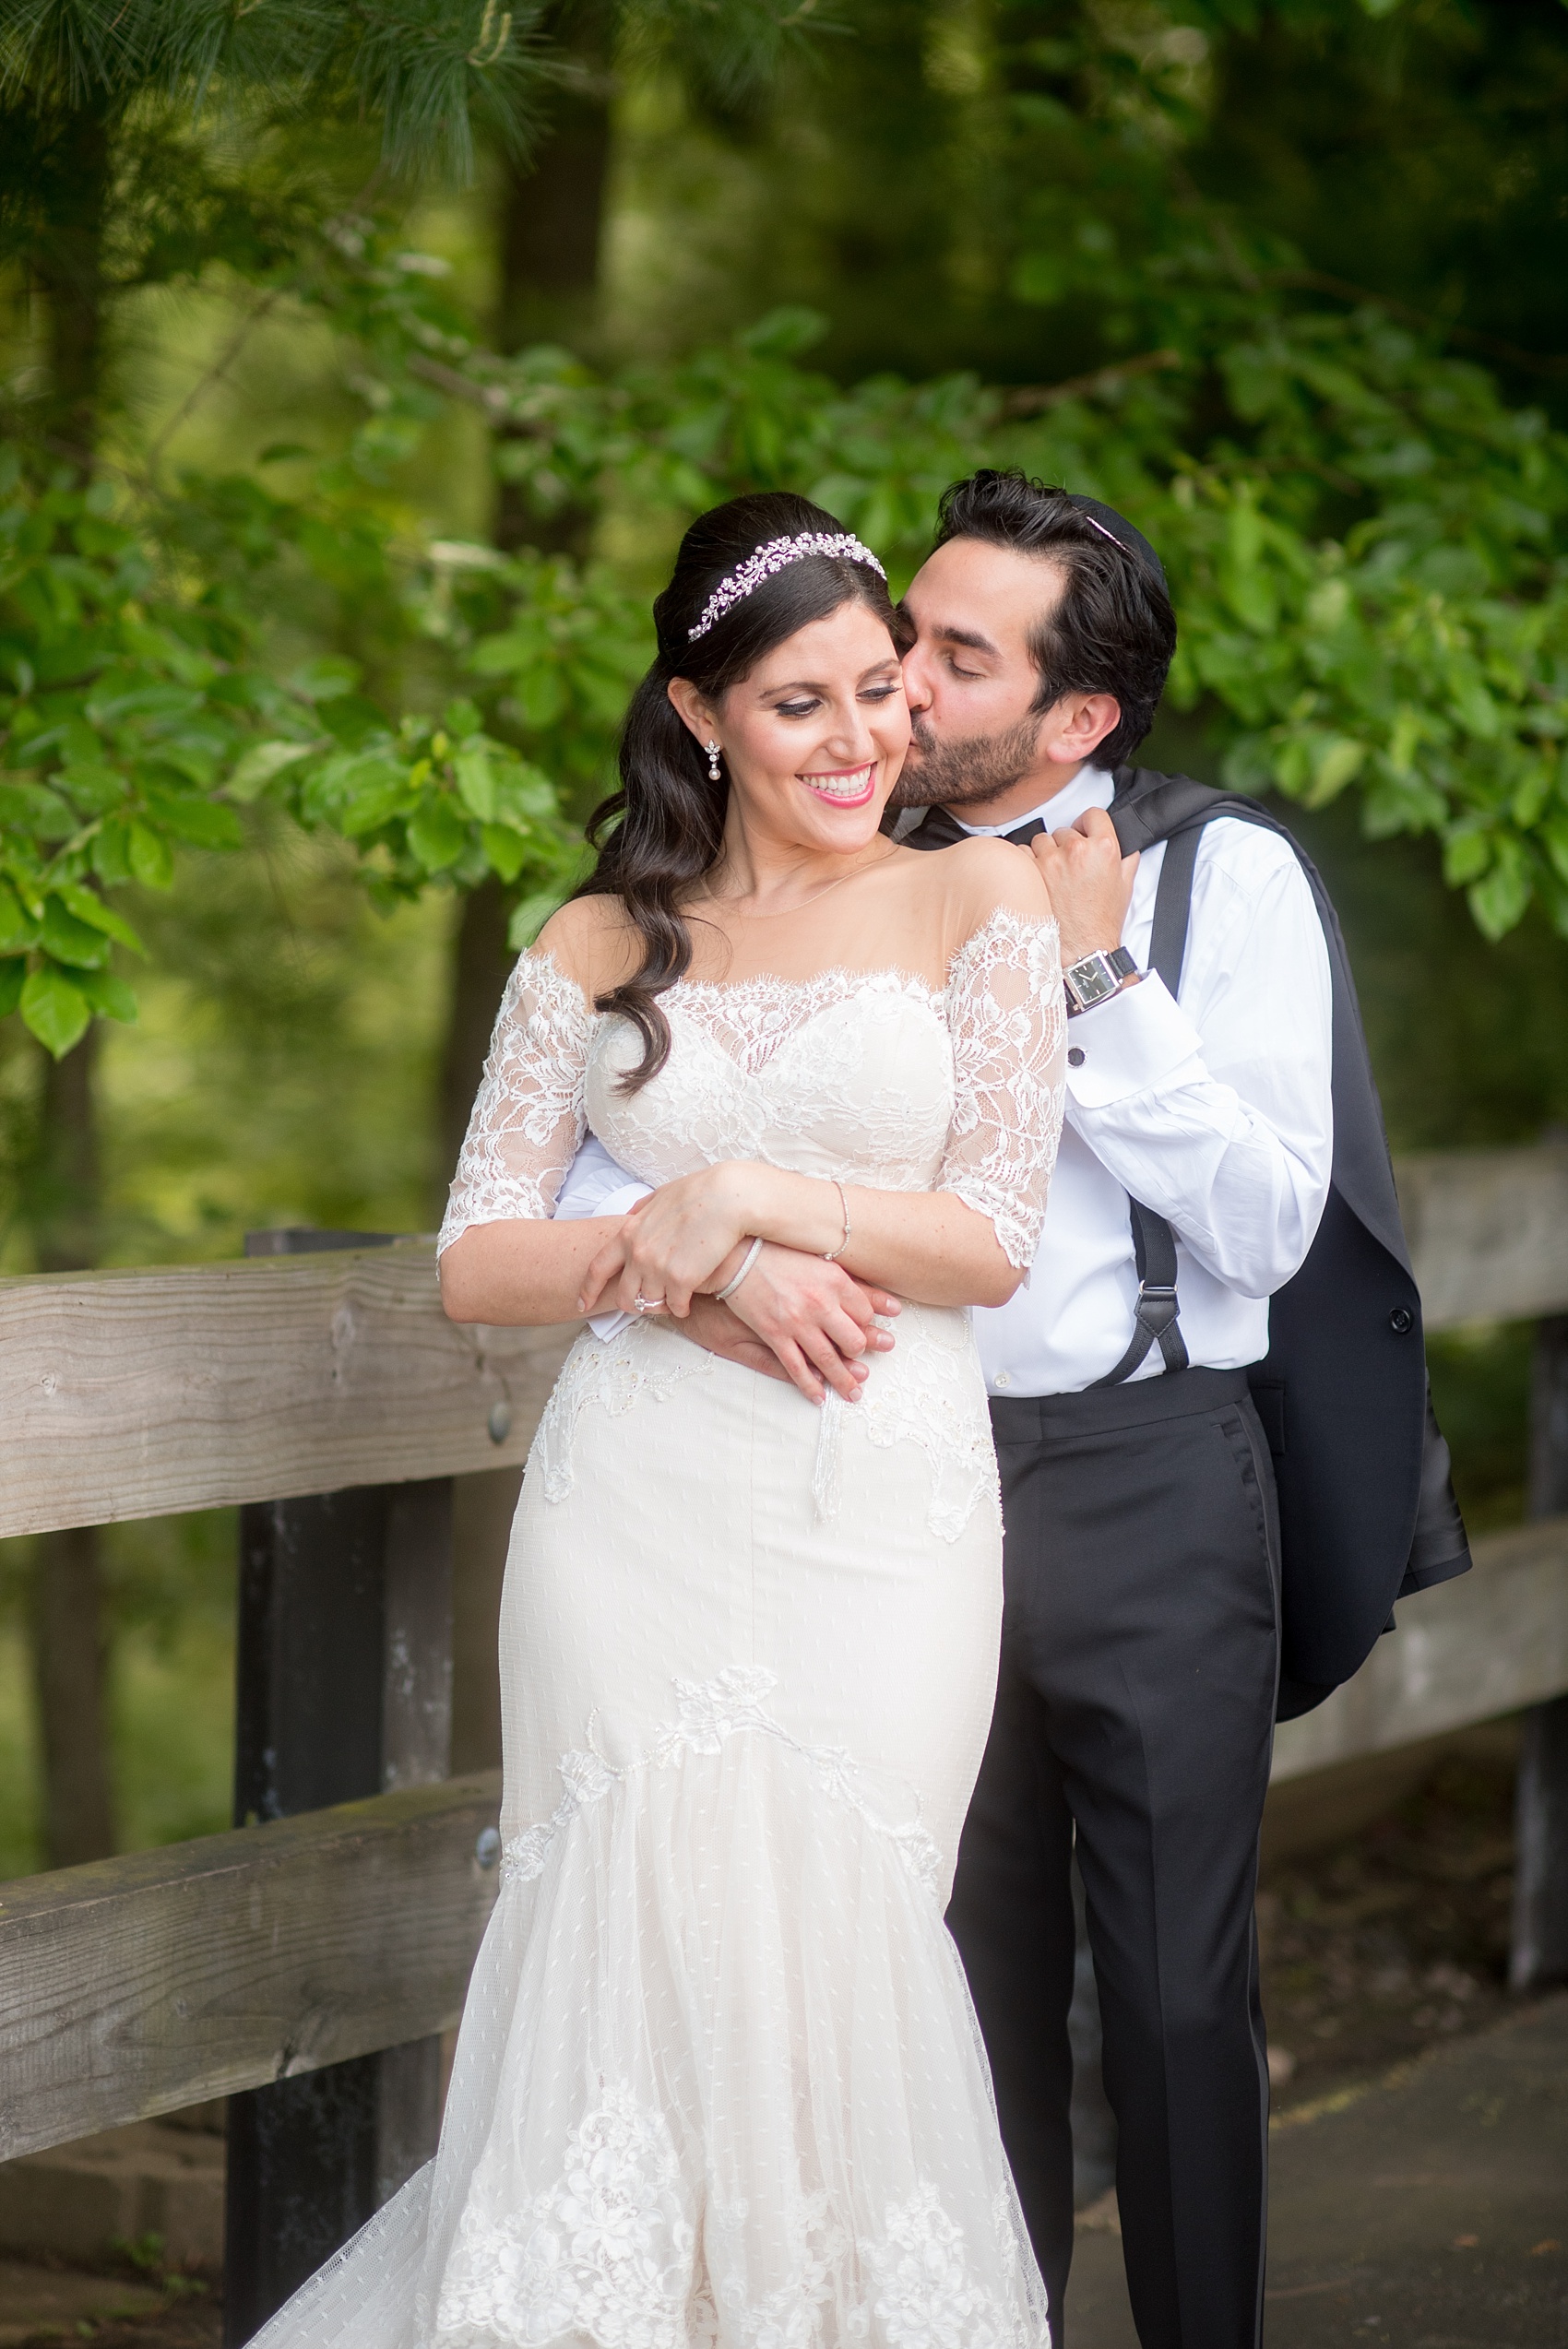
{"x": 1135, "y": 1710}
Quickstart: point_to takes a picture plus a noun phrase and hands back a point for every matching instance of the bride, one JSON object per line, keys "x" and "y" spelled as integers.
{"x": 718, "y": 2081}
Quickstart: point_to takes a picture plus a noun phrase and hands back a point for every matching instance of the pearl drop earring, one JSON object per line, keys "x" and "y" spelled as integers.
{"x": 712, "y": 750}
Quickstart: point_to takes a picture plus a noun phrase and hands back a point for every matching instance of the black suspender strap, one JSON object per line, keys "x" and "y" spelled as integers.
{"x": 1172, "y": 904}
{"x": 1155, "y": 1314}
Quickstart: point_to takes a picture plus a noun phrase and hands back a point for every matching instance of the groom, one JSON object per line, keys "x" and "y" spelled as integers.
{"x": 1223, "y": 1147}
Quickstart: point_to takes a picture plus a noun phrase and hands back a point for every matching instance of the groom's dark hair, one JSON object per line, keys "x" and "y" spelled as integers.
{"x": 1113, "y": 631}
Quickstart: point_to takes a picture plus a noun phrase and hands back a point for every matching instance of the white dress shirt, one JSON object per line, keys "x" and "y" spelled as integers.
{"x": 1214, "y": 1110}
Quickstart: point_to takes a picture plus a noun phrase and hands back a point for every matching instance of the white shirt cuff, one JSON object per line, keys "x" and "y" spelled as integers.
{"x": 1141, "y": 1038}
{"x": 569, "y": 1210}
{"x": 608, "y": 1325}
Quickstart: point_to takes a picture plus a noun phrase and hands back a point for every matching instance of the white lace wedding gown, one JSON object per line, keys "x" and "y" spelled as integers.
{"x": 719, "y": 2080}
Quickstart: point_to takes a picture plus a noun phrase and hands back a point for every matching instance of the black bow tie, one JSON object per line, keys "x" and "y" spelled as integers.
{"x": 941, "y": 830}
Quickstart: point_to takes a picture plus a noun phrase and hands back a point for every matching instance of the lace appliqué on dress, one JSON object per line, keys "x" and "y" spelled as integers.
{"x": 791, "y": 2316}
{"x": 1007, "y": 1020}
{"x": 921, "y": 2294}
{"x": 527, "y": 1119}
{"x": 609, "y": 2254}
{"x": 614, "y": 1374}
{"x": 708, "y": 1713}
{"x": 606, "y": 2254}
{"x": 928, "y": 1391}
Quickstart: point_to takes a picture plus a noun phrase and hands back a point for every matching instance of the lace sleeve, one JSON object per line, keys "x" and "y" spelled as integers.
{"x": 1007, "y": 1020}
{"x": 528, "y": 1118}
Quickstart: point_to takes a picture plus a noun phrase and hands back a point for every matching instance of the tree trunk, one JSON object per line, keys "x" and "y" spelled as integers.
{"x": 68, "y": 258}
{"x": 551, "y": 228}
{"x": 482, "y": 961}
{"x": 63, "y": 1206}
{"x": 62, "y": 1200}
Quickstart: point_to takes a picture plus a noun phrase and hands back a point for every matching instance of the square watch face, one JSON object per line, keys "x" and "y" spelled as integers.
{"x": 1091, "y": 981}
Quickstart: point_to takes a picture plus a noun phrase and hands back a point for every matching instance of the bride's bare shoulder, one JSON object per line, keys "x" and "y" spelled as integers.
{"x": 977, "y": 878}
{"x": 593, "y": 941}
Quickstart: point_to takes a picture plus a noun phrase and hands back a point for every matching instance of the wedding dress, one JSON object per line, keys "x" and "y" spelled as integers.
{"x": 718, "y": 2081}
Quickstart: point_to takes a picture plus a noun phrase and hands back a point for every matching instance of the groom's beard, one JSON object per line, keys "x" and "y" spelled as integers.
{"x": 962, "y": 774}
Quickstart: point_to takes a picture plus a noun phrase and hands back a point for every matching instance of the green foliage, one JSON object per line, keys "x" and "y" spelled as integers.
{"x": 136, "y": 718}
{"x": 121, "y": 709}
{"x": 1368, "y": 550}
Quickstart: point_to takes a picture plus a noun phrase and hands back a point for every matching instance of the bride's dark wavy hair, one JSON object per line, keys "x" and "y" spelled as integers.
{"x": 670, "y": 814}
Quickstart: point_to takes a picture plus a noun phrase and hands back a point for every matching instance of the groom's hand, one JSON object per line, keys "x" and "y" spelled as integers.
{"x": 718, "y": 1331}
{"x": 1090, "y": 883}
{"x": 799, "y": 1318}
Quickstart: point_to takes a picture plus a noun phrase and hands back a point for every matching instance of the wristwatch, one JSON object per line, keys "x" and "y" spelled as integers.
{"x": 1096, "y": 978}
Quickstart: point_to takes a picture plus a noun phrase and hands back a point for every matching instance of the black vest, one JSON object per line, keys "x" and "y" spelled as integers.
{"x": 1366, "y": 1503}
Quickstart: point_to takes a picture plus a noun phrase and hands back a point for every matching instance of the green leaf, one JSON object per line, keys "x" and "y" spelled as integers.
{"x": 55, "y": 1008}
{"x": 70, "y": 941}
{"x": 1336, "y": 761}
{"x": 260, "y": 764}
{"x": 530, "y": 916}
{"x": 524, "y": 793}
{"x": 1498, "y": 903}
{"x": 110, "y": 852}
{"x": 461, "y": 719}
{"x": 89, "y": 906}
{"x": 12, "y": 975}
{"x": 437, "y": 835}
{"x": 107, "y": 992}
{"x": 93, "y": 786}
{"x": 1464, "y": 856}
{"x": 354, "y": 721}
{"x": 205, "y": 824}
{"x": 506, "y": 851}
{"x": 17, "y": 928}
{"x": 28, "y": 807}
{"x": 476, "y": 785}
{"x": 152, "y": 860}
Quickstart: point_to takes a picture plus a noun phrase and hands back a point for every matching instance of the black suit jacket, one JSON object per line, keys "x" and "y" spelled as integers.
{"x": 1366, "y": 1502}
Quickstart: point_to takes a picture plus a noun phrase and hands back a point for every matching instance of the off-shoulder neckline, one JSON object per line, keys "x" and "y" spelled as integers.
{"x": 838, "y": 973}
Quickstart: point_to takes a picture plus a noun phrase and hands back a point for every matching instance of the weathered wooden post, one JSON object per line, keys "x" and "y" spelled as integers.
{"x": 344, "y": 1689}
{"x": 1541, "y": 1865}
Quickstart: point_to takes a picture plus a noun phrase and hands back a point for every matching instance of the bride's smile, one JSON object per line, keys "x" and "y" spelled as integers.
{"x": 852, "y": 789}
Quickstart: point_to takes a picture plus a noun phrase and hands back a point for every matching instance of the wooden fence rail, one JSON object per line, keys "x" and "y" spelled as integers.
{"x": 129, "y": 1395}
{"x": 132, "y": 1987}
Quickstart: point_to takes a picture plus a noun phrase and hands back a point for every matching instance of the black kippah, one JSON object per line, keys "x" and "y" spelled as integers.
{"x": 1116, "y": 525}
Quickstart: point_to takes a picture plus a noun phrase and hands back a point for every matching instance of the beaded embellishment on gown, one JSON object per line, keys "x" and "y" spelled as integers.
{"x": 718, "y": 2084}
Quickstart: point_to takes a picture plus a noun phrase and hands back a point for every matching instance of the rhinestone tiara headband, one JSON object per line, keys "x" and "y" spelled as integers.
{"x": 777, "y": 555}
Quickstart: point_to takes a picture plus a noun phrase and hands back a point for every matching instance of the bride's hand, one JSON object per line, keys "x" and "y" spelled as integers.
{"x": 670, "y": 1244}
{"x": 817, "y": 1320}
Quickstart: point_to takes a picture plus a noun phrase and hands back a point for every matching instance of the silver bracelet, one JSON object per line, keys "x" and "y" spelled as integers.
{"x": 722, "y": 1296}
{"x": 831, "y": 1255}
